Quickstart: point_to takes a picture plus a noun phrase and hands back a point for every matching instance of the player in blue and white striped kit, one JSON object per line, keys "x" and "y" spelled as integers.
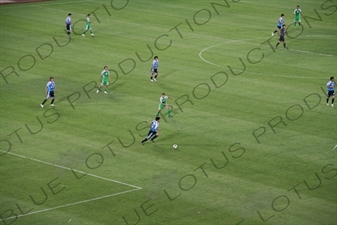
{"x": 331, "y": 91}
{"x": 154, "y": 69}
{"x": 50, "y": 88}
{"x": 68, "y": 25}
{"x": 280, "y": 22}
{"x": 153, "y": 134}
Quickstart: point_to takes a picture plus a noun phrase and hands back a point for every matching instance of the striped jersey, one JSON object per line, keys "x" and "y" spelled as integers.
{"x": 154, "y": 125}
{"x": 330, "y": 85}
{"x": 155, "y": 64}
{"x": 68, "y": 20}
{"x": 50, "y": 86}
{"x": 280, "y": 21}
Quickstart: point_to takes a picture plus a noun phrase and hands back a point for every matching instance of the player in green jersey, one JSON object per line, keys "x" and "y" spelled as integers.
{"x": 297, "y": 16}
{"x": 105, "y": 78}
{"x": 87, "y": 26}
{"x": 163, "y": 104}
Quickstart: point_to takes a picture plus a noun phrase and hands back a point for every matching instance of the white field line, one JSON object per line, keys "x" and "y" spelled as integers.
{"x": 136, "y": 188}
{"x": 120, "y": 21}
{"x": 137, "y": 24}
{"x": 45, "y": 6}
{"x": 315, "y": 53}
{"x": 25, "y": 5}
{"x": 66, "y": 168}
{"x": 70, "y": 204}
{"x": 261, "y": 74}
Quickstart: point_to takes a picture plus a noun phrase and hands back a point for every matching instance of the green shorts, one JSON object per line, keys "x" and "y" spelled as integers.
{"x": 297, "y": 19}
{"x": 105, "y": 82}
{"x": 161, "y": 106}
{"x": 88, "y": 27}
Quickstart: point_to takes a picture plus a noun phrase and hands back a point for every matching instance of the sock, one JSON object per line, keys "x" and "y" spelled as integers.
{"x": 84, "y": 32}
{"x": 284, "y": 45}
{"x": 332, "y": 101}
{"x": 90, "y": 32}
{"x": 299, "y": 24}
{"x": 68, "y": 33}
{"x": 52, "y": 101}
{"x": 169, "y": 112}
{"x": 154, "y": 137}
{"x": 275, "y": 31}
{"x": 277, "y": 44}
{"x": 151, "y": 77}
{"x": 158, "y": 113}
{"x": 44, "y": 101}
{"x": 99, "y": 88}
{"x": 144, "y": 140}
{"x": 105, "y": 90}
{"x": 155, "y": 76}
{"x": 327, "y": 101}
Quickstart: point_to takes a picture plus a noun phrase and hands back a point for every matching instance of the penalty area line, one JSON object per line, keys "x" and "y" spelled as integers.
{"x": 136, "y": 188}
{"x": 71, "y": 204}
{"x": 67, "y": 168}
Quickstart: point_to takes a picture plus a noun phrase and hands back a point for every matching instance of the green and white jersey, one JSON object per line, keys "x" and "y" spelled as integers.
{"x": 105, "y": 75}
{"x": 297, "y": 13}
{"x": 163, "y": 100}
{"x": 87, "y": 24}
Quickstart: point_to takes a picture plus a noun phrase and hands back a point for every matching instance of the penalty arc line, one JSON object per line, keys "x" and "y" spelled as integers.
{"x": 233, "y": 41}
{"x": 260, "y": 74}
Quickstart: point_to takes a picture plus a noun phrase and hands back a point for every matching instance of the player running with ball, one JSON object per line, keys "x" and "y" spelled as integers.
{"x": 153, "y": 134}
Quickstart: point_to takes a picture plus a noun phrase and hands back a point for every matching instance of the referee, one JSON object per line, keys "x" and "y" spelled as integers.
{"x": 283, "y": 31}
{"x": 68, "y": 25}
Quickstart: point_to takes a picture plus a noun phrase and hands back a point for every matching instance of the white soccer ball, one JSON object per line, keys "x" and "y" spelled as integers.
{"x": 175, "y": 146}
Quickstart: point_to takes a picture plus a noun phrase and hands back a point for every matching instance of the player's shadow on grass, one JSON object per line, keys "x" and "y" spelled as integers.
{"x": 161, "y": 143}
{"x": 171, "y": 137}
{"x": 162, "y": 83}
{"x": 114, "y": 93}
{"x": 79, "y": 97}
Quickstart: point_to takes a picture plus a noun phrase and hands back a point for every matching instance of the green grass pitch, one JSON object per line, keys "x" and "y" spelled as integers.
{"x": 255, "y": 136}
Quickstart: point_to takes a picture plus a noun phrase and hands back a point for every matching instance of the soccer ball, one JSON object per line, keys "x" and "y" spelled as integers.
{"x": 175, "y": 146}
